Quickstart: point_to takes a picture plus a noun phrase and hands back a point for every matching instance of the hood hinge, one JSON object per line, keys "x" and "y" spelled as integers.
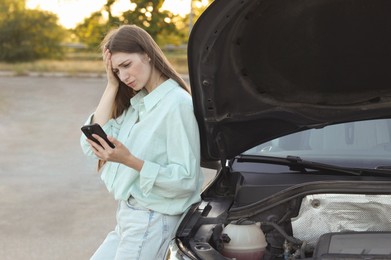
{"x": 221, "y": 148}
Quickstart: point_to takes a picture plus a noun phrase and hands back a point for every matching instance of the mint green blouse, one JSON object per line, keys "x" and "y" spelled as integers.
{"x": 159, "y": 128}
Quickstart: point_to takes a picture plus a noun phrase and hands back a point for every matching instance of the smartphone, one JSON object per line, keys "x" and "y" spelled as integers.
{"x": 88, "y": 130}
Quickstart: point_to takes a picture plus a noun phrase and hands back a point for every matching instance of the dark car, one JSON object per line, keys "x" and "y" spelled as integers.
{"x": 293, "y": 101}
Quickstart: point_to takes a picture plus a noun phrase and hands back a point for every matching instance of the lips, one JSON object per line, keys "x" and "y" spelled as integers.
{"x": 131, "y": 84}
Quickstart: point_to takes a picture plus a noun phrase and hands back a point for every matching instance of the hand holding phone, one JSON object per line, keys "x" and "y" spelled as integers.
{"x": 88, "y": 130}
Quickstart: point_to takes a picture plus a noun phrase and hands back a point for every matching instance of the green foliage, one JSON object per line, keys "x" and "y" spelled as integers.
{"x": 92, "y": 30}
{"x": 9, "y": 6}
{"x": 165, "y": 27}
{"x": 30, "y": 35}
{"x": 148, "y": 16}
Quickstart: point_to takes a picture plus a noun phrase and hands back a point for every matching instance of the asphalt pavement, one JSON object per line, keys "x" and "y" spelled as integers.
{"x": 53, "y": 204}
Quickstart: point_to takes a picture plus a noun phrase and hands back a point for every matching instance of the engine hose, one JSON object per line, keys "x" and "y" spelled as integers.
{"x": 283, "y": 233}
{"x": 302, "y": 249}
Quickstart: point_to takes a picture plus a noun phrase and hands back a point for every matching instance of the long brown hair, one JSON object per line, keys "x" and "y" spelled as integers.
{"x": 133, "y": 39}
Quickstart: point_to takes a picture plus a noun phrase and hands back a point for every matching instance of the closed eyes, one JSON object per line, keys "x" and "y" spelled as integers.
{"x": 127, "y": 65}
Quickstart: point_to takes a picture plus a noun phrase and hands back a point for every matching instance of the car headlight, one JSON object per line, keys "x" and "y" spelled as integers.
{"x": 174, "y": 253}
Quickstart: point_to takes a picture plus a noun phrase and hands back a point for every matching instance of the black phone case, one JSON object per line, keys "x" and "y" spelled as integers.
{"x": 88, "y": 130}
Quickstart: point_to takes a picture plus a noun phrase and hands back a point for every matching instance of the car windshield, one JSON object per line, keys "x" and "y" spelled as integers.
{"x": 363, "y": 144}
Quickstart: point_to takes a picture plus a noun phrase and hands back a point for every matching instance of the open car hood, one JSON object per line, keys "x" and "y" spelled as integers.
{"x": 261, "y": 69}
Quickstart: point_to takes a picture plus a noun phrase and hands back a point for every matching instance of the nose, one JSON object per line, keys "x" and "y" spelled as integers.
{"x": 123, "y": 75}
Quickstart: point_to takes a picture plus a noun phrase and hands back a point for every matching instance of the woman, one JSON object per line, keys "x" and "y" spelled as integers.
{"x": 154, "y": 170}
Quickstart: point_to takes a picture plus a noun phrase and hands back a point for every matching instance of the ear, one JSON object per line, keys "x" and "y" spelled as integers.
{"x": 147, "y": 58}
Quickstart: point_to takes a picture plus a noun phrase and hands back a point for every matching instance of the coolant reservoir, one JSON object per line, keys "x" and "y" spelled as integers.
{"x": 247, "y": 241}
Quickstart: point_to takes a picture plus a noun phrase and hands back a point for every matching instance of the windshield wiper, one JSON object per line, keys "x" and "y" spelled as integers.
{"x": 296, "y": 163}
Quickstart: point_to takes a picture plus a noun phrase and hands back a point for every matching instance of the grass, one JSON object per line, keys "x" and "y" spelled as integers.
{"x": 69, "y": 67}
{"x": 80, "y": 63}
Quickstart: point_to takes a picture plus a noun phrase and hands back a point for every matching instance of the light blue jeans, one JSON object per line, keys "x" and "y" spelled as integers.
{"x": 140, "y": 234}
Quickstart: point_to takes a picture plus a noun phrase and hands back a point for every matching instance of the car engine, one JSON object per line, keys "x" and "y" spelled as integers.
{"x": 326, "y": 226}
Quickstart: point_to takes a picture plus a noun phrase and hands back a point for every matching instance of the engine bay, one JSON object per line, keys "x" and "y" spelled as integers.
{"x": 323, "y": 219}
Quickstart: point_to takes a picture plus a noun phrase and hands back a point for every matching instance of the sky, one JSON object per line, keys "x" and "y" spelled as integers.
{"x": 71, "y": 12}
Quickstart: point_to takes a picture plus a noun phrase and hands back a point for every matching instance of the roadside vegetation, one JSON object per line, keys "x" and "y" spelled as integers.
{"x": 32, "y": 40}
{"x": 82, "y": 63}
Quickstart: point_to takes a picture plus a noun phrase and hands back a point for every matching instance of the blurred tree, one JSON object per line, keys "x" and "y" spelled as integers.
{"x": 149, "y": 16}
{"x": 145, "y": 13}
{"x": 165, "y": 27}
{"x": 92, "y": 30}
{"x": 29, "y": 34}
{"x": 8, "y": 6}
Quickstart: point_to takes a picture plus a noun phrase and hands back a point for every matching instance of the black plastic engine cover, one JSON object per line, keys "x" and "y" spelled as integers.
{"x": 354, "y": 245}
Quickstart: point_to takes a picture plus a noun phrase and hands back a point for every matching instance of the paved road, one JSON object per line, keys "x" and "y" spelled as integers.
{"x": 52, "y": 202}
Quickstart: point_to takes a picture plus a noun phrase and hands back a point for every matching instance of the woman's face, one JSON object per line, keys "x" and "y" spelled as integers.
{"x": 133, "y": 69}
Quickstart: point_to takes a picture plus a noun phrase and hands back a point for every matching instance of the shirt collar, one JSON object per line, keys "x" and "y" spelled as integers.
{"x": 151, "y": 99}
